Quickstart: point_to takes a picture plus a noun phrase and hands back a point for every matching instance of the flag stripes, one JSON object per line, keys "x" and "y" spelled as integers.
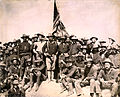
{"x": 58, "y": 27}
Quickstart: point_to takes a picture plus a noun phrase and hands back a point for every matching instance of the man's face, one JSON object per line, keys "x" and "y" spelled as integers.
{"x": 94, "y": 40}
{"x": 29, "y": 63}
{"x": 15, "y": 62}
{"x": 50, "y": 39}
{"x": 107, "y": 66}
{"x": 35, "y": 39}
{"x": 88, "y": 64}
{"x": 84, "y": 51}
{"x": 103, "y": 49}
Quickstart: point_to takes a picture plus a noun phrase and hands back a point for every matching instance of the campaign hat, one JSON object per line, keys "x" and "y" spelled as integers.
{"x": 107, "y": 60}
{"x": 25, "y": 36}
{"x": 39, "y": 34}
{"x": 93, "y": 38}
{"x": 35, "y": 36}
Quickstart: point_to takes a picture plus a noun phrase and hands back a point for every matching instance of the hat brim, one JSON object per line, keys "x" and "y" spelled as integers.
{"x": 25, "y": 37}
{"x": 40, "y": 35}
{"x": 50, "y": 36}
{"x": 94, "y": 38}
{"x": 108, "y": 62}
{"x": 14, "y": 59}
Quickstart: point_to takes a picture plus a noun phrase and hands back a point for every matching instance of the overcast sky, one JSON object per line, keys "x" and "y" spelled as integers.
{"x": 83, "y": 18}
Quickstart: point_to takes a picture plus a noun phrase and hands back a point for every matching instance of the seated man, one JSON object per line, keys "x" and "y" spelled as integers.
{"x": 90, "y": 74}
{"x": 71, "y": 75}
{"x": 14, "y": 66}
{"x": 37, "y": 74}
{"x": 107, "y": 79}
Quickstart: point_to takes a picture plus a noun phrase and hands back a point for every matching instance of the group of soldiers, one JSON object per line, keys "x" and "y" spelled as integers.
{"x": 73, "y": 62}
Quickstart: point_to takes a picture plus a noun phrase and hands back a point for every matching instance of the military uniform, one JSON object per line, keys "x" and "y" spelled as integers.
{"x": 24, "y": 53}
{"x": 90, "y": 76}
{"x": 14, "y": 66}
{"x": 50, "y": 50}
{"x": 107, "y": 79}
{"x": 74, "y": 47}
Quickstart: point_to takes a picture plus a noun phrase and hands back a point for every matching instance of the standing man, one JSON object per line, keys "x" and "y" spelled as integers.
{"x": 50, "y": 50}
{"x": 24, "y": 53}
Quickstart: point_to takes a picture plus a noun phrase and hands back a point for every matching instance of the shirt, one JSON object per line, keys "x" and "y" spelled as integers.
{"x": 110, "y": 75}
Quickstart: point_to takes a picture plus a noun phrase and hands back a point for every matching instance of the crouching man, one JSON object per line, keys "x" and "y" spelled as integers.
{"x": 107, "y": 79}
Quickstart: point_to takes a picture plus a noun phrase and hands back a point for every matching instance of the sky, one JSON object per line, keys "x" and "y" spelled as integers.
{"x": 83, "y": 18}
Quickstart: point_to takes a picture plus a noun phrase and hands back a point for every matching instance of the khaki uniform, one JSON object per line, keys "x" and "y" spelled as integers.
{"x": 107, "y": 80}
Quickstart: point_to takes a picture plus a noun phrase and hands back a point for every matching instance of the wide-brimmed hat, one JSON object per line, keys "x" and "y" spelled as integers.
{"x": 14, "y": 58}
{"x": 5, "y": 44}
{"x": 25, "y": 36}
{"x": 35, "y": 36}
{"x": 93, "y": 38}
{"x": 39, "y": 34}
{"x": 74, "y": 39}
{"x": 102, "y": 47}
{"x": 107, "y": 60}
{"x": 10, "y": 43}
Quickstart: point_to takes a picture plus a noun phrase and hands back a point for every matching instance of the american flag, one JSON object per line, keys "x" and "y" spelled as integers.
{"x": 58, "y": 27}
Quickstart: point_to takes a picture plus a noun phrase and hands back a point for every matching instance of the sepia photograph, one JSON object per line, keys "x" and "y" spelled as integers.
{"x": 59, "y": 48}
